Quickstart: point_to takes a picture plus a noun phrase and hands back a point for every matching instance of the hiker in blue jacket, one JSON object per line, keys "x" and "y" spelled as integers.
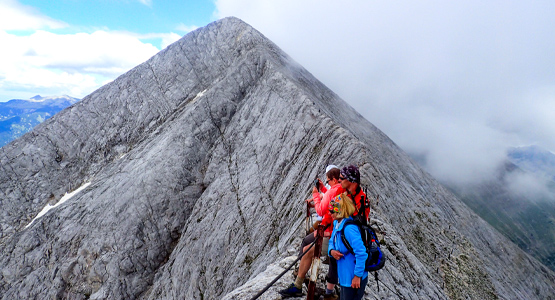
{"x": 350, "y": 267}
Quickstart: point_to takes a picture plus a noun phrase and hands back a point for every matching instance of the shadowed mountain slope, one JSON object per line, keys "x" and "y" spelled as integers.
{"x": 196, "y": 164}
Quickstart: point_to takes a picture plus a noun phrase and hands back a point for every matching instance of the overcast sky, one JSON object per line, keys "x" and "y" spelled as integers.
{"x": 455, "y": 83}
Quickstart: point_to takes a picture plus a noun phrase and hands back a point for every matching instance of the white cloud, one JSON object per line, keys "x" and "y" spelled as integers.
{"x": 528, "y": 186}
{"x": 74, "y": 64}
{"x": 15, "y": 16}
{"x": 185, "y": 28}
{"x": 169, "y": 39}
{"x": 458, "y": 82}
{"x": 43, "y": 62}
{"x": 146, "y": 2}
{"x": 166, "y": 38}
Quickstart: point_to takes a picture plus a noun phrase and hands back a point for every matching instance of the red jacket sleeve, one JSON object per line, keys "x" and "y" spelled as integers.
{"x": 317, "y": 198}
{"x": 322, "y": 205}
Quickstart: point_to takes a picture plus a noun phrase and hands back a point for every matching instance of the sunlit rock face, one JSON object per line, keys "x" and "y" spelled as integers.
{"x": 194, "y": 166}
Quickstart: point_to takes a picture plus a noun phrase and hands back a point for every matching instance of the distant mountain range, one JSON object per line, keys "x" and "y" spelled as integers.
{"x": 520, "y": 201}
{"x": 18, "y": 116}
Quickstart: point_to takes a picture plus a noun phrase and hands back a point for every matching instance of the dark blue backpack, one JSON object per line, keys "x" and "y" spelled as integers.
{"x": 376, "y": 258}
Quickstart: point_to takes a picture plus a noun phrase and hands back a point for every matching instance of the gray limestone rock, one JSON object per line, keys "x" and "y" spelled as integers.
{"x": 197, "y": 163}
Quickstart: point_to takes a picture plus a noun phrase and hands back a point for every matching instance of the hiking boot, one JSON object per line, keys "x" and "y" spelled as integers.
{"x": 291, "y": 291}
{"x": 331, "y": 297}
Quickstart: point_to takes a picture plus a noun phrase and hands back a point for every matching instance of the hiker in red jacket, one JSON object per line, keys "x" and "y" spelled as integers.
{"x": 321, "y": 205}
{"x": 350, "y": 181}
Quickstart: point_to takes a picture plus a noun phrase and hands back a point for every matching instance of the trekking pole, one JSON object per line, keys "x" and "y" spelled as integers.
{"x": 315, "y": 262}
{"x": 308, "y": 218}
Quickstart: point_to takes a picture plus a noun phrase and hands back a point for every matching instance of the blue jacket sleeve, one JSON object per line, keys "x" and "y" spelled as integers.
{"x": 352, "y": 234}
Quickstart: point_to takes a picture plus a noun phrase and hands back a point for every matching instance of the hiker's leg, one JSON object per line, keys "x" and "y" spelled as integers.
{"x": 360, "y": 291}
{"x": 348, "y": 293}
{"x": 325, "y": 245}
{"x": 295, "y": 289}
{"x": 331, "y": 277}
{"x": 304, "y": 265}
{"x": 306, "y": 241}
{"x": 306, "y": 261}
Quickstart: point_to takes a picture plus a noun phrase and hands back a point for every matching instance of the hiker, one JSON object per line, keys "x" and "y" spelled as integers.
{"x": 350, "y": 181}
{"x": 350, "y": 266}
{"x": 321, "y": 206}
{"x": 317, "y": 197}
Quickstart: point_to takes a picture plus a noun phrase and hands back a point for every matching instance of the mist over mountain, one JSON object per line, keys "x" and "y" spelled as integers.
{"x": 519, "y": 200}
{"x": 18, "y": 116}
{"x": 519, "y": 204}
{"x": 535, "y": 160}
{"x": 185, "y": 177}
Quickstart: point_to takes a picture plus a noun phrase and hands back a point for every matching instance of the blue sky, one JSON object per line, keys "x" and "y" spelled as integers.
{"x": 75, "y": 46}
{"x": 143, "y": 17}
{"x": 454, "y": 82}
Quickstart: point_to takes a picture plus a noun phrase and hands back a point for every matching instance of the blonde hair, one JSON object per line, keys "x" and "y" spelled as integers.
{"x": 347, "y": 207}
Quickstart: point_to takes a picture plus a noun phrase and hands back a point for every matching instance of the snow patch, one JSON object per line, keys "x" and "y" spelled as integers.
{"x": 39, "y": 98}
{"x": 66, "y": 197}
{"x": 198, "y": 96}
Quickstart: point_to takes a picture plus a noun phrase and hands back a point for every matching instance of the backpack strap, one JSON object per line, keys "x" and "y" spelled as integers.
{"x": 363, "y": 206}
{"x": 363, "y": 202}
{"x": 344, "y": 239}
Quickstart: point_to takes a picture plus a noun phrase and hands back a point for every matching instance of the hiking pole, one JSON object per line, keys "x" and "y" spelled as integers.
{"x": 315, "y": 263}
{"x": 282, "y": 273}
{"x": 308, "y": 218}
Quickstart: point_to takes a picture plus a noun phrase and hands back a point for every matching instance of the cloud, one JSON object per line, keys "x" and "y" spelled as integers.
{"x": 165, "y": 38}
{"x": 528, "y": 186}
{"x": 74, "y": 64}
{"x": 146, "y": 2}
{"x": 15, "y": 16}
{"x": 185, "y": 28}
{"x": 37, "y": 61}
{"x": 456, "y": 83}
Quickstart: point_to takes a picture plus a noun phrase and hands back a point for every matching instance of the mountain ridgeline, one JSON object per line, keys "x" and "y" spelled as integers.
{"x": 193, "y": 168}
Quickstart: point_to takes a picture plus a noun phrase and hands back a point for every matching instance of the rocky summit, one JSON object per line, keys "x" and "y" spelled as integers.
{"x": 185, "y": 179}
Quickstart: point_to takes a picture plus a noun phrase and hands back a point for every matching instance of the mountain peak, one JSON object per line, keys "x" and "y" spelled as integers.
{"x": 37, "y": 98}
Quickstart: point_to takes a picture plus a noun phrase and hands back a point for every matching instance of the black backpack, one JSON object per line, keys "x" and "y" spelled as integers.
{"x": 376, "y": 258}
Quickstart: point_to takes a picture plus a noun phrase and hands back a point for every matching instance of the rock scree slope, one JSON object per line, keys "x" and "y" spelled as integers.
{"x": 196, "y": 164}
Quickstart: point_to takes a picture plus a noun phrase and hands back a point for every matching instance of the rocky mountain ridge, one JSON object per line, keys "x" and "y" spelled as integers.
{"x": 197, "y": 162}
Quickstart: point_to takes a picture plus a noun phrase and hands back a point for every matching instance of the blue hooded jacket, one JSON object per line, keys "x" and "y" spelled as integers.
{"x": 349, "y": 265}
